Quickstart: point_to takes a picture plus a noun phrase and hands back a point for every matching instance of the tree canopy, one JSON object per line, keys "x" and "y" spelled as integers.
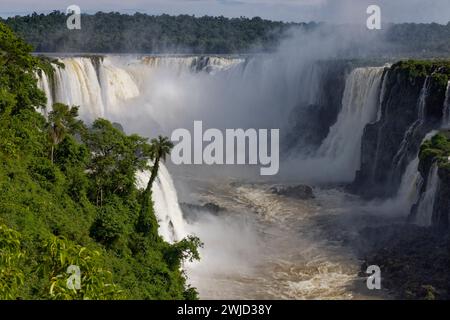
{"x": 142, "y": 33}
{"x": 114, "y": 32}
{"x": 68, "y": 197}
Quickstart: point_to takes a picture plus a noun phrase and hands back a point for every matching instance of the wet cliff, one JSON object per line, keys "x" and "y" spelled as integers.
{"x": 432, "y": 208}
{"x": 412, "y": 104}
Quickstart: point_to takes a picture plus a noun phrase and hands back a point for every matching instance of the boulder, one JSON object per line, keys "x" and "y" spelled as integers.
{"x": 302, "y": 192}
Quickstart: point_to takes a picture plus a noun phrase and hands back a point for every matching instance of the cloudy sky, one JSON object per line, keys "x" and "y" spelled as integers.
{"x": 286, "y": 10}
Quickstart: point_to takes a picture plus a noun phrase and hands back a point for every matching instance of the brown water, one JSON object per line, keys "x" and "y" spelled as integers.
{"x": 268, "y": 246}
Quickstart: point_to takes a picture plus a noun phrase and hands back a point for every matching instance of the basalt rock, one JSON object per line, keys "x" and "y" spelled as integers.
{"x": 389, "y": 144}
{"x": 413, "y": 260}
{"x": 436, "y": 152}
{"x": 302, "y": 192}
{"x": 310, "y": 123}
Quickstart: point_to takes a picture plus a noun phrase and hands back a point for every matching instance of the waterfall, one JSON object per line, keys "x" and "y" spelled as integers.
{"x": 427, "y": 199}
{"x": 77, "y": 84}
{"x": 103, "y": 87}
{"x": 340, "y": 152}
{"x": 410, "y": 186}
{"x": 209, "y": 64}
{"x": 411, "y": 183}
{"x": 382, "y": 93}
{"x": 446, "y": 117}
{"x": 167, "y": 209}
{"x": 117, "y": 86}
{"x": 107, "y": 88}
{"x": 409, "y": 135}
{"x": 44, "y": 85}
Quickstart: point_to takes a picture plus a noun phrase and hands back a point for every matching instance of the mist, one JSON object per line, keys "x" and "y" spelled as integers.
{"x": 151, "y": 96}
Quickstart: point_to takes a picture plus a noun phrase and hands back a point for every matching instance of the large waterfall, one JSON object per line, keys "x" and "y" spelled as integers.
{"x": 154, "y": 94}
{"x": 107, "y": 84}
{"x": 338, "y": 157}
{"x": 351, "y": 106}
{"x": 106, "y": 87}
{"x": 148, "y": 94}
{"x": 359, "y": 107}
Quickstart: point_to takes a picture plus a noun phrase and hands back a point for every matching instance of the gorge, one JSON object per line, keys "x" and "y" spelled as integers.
{"x": 353, "y": 130}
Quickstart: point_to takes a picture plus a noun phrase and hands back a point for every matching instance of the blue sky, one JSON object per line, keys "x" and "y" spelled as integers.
{"x": 341, "y": 11}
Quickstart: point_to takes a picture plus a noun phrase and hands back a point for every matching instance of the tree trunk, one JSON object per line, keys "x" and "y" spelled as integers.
{"x": 147, "y": 223}
{"x": 153, "y": 176}
{"x": 51, "y": 153}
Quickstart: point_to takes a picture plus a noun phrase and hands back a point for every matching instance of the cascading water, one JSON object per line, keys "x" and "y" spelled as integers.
{"x": 426, "y": 202}
{"x": 412, "y": 181}
{"x": 339, "y": 155}
{"x": 383, "y": 91}
{"x": 174, "y": 91}
{"x": 167, "y": 210}
{"x": 409, "y": 191}
{"x": 446, "y": 117}
{"x": 77, "y": 84}
{"x": 409, "y": 135}
{"x": 106, "y": 86}
{"x": 117, "y": 86}
{"x": 102, "y": 89}
{"x": 194, "y": 63}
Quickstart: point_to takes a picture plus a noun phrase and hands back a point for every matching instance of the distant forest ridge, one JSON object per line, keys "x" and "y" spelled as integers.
{"x": 142, "y": 33}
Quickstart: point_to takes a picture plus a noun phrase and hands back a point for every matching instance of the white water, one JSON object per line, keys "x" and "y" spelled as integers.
{"x": 77, "y": 84}
{"x": 182, "y": 64}
{"x": 167, "y": 210}
{"x": 44, "y": 85}
{"x": 339, "y": 156}
{"x": 427, "y": 199}
{"x": 150, "y": 95}
{"x": 118, "y": 80}
{"x": 409, "y": 190}
{"x": 446, "y": 117}
{"x": 109, "y": 92}
{"x": 409, "y": 135}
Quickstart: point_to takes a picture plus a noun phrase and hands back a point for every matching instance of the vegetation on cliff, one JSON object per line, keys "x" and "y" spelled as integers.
{"x": 415, "y": 259}
{"x": 439, "y": 70}
{"x": 436, "y": 149}
{"x": 68, "y": 198}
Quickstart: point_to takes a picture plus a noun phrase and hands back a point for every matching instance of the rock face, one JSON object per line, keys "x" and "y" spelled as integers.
{"x": 414, "y": 260}
{"x": 192, "y": 212}
{"x": 434, "y": 154}
{"x": 299, "y": 191}
{"x": 441, "y": 210}
{"x": 412, "y": 101}
{"x": 311, "y": 122}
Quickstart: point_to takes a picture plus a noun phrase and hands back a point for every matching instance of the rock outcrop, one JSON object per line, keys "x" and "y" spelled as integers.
{"x": 302, "y": 192}
{"x": 412, "y": 101}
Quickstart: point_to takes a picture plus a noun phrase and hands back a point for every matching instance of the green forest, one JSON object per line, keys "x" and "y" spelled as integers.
{"x": 122, "y": 33}
{"x": 141, "y": 33}
{"x": 68, "y": 198}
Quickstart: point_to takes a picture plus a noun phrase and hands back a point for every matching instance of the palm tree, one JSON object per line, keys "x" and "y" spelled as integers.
{"x": 61, "y": 120}
{"x": 147, "y": 223}
{"x": 161, "y": 147}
